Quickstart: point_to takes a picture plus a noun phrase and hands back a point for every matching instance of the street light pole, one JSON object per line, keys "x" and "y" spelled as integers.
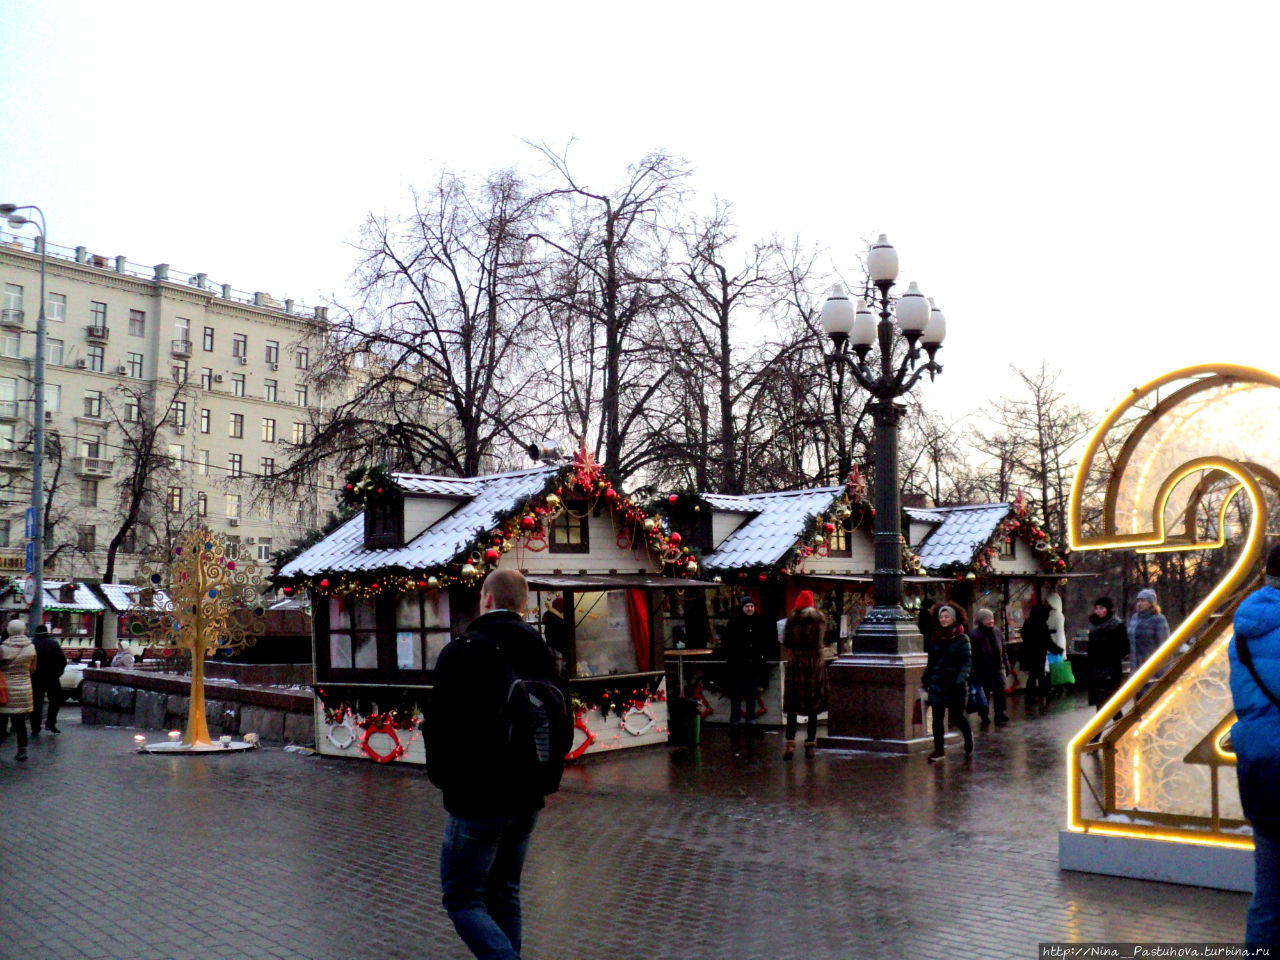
{"x": 15, "y": 219}
{"x": 873, "y": 687}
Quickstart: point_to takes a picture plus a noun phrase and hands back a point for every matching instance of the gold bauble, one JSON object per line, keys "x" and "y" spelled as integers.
{"x": 433, "y": 582}
{"x": 553, "y": 501}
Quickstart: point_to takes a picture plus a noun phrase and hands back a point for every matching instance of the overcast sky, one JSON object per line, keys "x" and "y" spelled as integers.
{"x": 1092, "y": 182}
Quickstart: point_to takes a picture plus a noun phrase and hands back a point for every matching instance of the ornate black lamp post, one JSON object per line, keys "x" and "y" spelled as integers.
{"x": 873, "y": 687}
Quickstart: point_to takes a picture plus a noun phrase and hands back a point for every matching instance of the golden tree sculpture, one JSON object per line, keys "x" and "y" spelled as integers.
{"x": 201, "y": 601}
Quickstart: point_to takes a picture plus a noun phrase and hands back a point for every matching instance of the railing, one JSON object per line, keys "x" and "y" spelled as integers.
{"x": 96, "y": 332}
{"x": 93, "y": 466}
{"x": 15, "y": 459}
{"x": 182, "y": 348}
{"x": 11, "y": 317}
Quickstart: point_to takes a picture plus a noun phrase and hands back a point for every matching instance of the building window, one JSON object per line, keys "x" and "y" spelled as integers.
{"x": 175, "y": 499}
{"x": 235, "y": 426}
{"x": 239, "y": 345}
{"x": 383, "y": 522}
{"x": 93, "y": 404}
{"x": 202, "y": 463}
{"x": 268, "y": 430}
{"x": 295, "y": 512}
{"x": 264, "y": 549}
{"x": 179, "y": 369}
{"x": 301, "y": 395}
{"x": 303, "y": 358}
{"x": 206, "y": 378}
{"x": 182, "y": 329}
{"x": 233, "y": 506}
{"x": 135, "y": 366}
{"x": 202, "y": 504}
{"x": 208, "y": 339}
{"x": 237, "y": 384}
{"x": 270, "y": 390}
{"x": 353, "y": 634}
{"x": 132, "y": 412}
{"x": 8, "y": 435}
{"x": 57, "y": 308}
{"x": 175, "y": 455}
{"x": 11, "y": 344}
{"x": 422, "y": 628}
{"x": 299, "y": 433}
{"x": 4, "y": 533}
{"x": 97, "y": 359}
{"x": 840, "y": 543}
{"x": 91, "y": 447}
{"x": 267, "y": 509}
{"x": 273, "y": 351}
{"x": 569, "y": 533}
{"x": 88, "y": 493}
{"x": 204, "y": 419}
{"x": 53, "y": 351}
{"x": 12, "y": 296}
{"x": 329, "y": 480}
{"x": 86, "y": 538}
{"x": 52, "y": 397}
{"x": 268, "y": 467}
{"x": 1008, "y": 547}
{"x": 235, "y": 465}
{"x": 180, "y": 414}
{"x": 98, "y": 313}
{"x": 233, "y": 547}
{"x": 137, "y": 323}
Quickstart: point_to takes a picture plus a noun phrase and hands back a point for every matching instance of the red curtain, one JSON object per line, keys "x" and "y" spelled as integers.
{"x": 638, "y": 608}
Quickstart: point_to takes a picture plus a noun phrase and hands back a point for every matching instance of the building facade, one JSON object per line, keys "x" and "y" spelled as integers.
{"x": 224, "y": 373}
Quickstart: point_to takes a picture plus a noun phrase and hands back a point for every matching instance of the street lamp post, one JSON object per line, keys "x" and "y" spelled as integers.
{"x": 873, "y": 687}
{"x": 16, "y": 219}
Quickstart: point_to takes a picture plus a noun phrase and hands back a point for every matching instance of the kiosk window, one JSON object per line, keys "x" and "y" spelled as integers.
{"x": 353, "y": 637}
{"x": 569, "y": 530}
{"x": 840, "y": 543}
{"x": 422, "y": 629}
{"x": 602, "y": 632}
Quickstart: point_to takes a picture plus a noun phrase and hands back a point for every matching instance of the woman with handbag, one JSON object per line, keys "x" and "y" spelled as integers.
{"x": 989, "y": 664}
{"x": 1037, "y": 642}
{"x": 805, "y": 689}
{"x": 18, "y": 663}
{"x": 946, "y": 678}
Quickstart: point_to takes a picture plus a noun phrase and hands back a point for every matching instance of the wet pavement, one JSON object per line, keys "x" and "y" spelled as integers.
{"x": 683, "y": 853}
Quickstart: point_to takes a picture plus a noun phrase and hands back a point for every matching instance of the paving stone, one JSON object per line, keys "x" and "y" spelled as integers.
{"x": 673, "y": 853}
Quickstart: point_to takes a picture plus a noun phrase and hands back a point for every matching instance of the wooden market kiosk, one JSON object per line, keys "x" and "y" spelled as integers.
{"x": 394, "y": 584}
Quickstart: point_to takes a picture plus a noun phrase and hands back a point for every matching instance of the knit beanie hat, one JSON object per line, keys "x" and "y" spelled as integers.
{"x": 1148, "y": 595}
{"x": 803, "y": 599}
{"x": 1273, "y": 568}
{"x": 1106, "y": 602}
{"x": 744, "y": 600}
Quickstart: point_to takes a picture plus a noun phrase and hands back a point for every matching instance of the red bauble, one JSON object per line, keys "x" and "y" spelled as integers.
{"x": 672, "y": 499}
{"x": 324, "y": 584}
{"x": 676, "y": 538}
{"x": 422, "y": 584}
{"x": 492, "y": 555}
{"x": 829, "y": 527}
{"x": 528, "y": 523}
{"x": 540, "y": 511}
{"x": 610, "y": 493}
{"x": 379, "y": 491}
{"x": 350, "y": 487}
{"x": 763, "y": 577}
{"x": 286, "y": 590}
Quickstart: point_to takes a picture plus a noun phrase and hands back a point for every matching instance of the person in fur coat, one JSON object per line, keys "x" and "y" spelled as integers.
{"x": 18, "y": 662}
{"x": 806, "y": 678}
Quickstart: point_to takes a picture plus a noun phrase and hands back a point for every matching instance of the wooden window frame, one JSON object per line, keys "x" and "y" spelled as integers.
{"x": 555, "y": 544}
{"x": 384, "y": 523}
{"x": 843, "y": 533}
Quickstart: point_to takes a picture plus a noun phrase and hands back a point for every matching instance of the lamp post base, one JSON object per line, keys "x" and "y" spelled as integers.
{"x": 873, "y": 698}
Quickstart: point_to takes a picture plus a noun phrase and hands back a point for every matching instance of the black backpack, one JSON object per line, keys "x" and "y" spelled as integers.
{"x": 539, "y": 731}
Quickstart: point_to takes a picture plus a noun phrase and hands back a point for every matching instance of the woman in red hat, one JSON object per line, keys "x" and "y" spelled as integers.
{"x": 805, "y": 690}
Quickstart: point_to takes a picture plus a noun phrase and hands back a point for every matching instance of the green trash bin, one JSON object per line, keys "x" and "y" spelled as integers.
{"x": 686, "y": 721}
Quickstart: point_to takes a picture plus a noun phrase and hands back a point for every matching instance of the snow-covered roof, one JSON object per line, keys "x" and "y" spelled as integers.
{"x": 123, "y": 597}
{"x": 960, "y": 532}
{"x": 83, "y": 602}
{"x": 483, "y": 500}
{"x": 778, "y": 523}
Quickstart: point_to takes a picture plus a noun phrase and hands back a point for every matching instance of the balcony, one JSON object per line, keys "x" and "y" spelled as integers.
{"x": 92, "y": 467}
{"x": 9, "y": 410}
{"x": 96, "y": 333}
{"x": 15, "y": 459}
{"x": 11, "y": 317}
{"x": 182, "y": 349}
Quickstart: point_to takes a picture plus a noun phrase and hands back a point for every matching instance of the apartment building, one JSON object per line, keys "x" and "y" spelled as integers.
{"x": 124, "y": 343}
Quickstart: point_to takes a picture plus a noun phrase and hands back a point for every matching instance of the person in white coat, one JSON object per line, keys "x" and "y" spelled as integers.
{"x": 18, "y": 663}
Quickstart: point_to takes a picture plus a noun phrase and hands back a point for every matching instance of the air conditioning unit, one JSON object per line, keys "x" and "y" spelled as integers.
{"x": 180, "y": 430}
{"x": 48, "y": 416}
{"x": 82, "y": 363}
{"x": 242, "y": 360}
{"x": 122, "y": 369}
{"x": 98, "y": 261}
{"x": 273, "y": 366}
{"x": 233, "y": 522}
{"x": 250, "y": 541}
{"x": 217, "y": 378}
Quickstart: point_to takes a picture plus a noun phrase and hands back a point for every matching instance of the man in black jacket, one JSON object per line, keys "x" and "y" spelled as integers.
{"x": 51, "y": 662}
{"x": 493, "y": 806}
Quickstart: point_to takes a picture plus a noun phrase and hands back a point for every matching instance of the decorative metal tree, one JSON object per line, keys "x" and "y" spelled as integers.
{"x": 201, "y": 601}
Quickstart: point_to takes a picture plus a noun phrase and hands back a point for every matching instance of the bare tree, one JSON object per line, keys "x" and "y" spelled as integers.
{"x": 432, "y": 369}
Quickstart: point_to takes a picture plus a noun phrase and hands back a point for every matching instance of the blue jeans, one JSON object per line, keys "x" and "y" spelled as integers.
{"x": 1262, "y": 929}
{"x": 480, "y": 864}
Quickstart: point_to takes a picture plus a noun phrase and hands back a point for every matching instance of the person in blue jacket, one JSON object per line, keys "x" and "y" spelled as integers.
{"x": 1255, "y": 737}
